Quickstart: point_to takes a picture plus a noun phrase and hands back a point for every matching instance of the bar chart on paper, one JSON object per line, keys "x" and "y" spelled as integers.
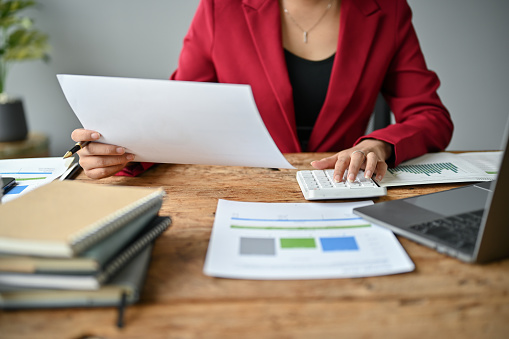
{"x": 425, "y": 169}
{"x": 31, "y": 173}
{"x": 299, "y": 241}
{"x": 312, "y": 234}
{"x": 442, "y": 168}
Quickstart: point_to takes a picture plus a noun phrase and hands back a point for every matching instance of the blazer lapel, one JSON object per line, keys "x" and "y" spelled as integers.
{"x": 358, "y": 24}
{"x": 264, "y": 21}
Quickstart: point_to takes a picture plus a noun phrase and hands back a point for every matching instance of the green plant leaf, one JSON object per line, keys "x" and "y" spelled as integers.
{"x": 10, "y": 8}
{"x": 18, "y": 39}
{"x": 26, "y": 45}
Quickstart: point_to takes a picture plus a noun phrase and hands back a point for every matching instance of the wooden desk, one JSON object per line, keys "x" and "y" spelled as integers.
{"x": 442, "y": 298}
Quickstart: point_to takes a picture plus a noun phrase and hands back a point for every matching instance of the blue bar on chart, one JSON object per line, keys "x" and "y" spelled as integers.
{"x": 339, "y": 244}
{"x": 16, "y": 189}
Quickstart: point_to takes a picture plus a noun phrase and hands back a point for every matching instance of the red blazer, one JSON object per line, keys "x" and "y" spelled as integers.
{"x": 239, "y": 41}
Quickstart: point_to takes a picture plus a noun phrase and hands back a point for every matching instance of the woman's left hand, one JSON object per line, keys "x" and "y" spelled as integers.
{"x": 369, "y": 155}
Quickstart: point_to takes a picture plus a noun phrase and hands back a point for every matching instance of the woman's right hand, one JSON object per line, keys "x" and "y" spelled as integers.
{"x": 100, "y": 160}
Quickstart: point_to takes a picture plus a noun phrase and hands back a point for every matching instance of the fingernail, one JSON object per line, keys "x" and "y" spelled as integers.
{"x": 130, "y": 157}
{"x": 367, "y": 174}
{"x": 379, "y": 177}
{"x": 95, "y": 135}
{"x": 351, "y": 177}
{"x": 119, "y": 150}
{"x": 337, "y": 178}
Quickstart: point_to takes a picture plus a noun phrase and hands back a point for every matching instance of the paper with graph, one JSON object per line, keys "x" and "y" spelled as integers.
{"x": 31, "y": 173}
{"x": 436, "y": 168}
{"x": 300, "y": 241}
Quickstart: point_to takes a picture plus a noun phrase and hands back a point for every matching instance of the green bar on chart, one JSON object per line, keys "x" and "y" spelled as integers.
{"x": 298, "y": 243}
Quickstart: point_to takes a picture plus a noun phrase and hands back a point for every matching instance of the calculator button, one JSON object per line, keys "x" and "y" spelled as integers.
{"x": 319, "y": 185}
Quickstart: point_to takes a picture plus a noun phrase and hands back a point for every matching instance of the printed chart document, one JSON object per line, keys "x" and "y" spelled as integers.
{"x": 436, "y": 168}
{"x": 31, "y": 173}
{"x": 300, "y": 241}
{"x": 167, "y": 121}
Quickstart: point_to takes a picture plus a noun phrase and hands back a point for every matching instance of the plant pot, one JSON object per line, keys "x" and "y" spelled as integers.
{"x": 13, "y": 125}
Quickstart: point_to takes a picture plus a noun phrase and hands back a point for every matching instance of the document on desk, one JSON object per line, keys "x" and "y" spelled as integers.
{"x": 31, "y": 173}
{"x": 282, "y": 241}
{"x": 444, "y": 167}
{"x": 167, "y": 121}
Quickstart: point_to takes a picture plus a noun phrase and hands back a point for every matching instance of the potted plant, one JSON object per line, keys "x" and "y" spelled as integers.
{"x": 19, "y": 41}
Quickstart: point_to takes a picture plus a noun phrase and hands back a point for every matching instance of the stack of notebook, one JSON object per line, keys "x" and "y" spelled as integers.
{"x": 72, "y": 244}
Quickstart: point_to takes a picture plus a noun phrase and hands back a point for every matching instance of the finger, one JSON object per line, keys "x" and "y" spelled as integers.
{"x": 340, "y": 167}
{"x": 103, "y": 172}
{"x": 371, "y": 164}
{"x": 96, "y": 148}
{"x": 81, "y": 134}
{"x": 381, "y": 170}
{"x": 325, "y": 163}
{"x": 95, "y": 162}
{"x": 357, "y": 159}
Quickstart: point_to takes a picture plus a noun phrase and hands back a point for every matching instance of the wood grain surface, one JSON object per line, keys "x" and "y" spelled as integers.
{"x": 442, "y": 298}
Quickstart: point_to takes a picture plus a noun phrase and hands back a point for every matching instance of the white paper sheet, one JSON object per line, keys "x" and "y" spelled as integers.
{"x": 489, "y": 162}
{"x": 300, "y": 241}
{"x": 31, "y": 173}
{"x": 443, "y": 167}
{"x": 168, "y": 121}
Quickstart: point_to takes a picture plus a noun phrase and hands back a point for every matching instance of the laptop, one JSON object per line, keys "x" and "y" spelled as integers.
{"x": 470, "y": 223}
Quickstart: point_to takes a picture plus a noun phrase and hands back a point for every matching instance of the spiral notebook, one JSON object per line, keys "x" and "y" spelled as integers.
{"x": 126, "y": 286}
{"x": 147, "y": 235}
{"x": 89, "y": 261}
{"x": 65, "y": 218}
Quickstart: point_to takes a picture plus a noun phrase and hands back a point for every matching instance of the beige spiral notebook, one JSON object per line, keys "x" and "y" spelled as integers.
{"x": 64, "y": 218}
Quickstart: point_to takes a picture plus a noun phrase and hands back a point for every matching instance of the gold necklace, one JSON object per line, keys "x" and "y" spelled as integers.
{"x": 306, "y": 32}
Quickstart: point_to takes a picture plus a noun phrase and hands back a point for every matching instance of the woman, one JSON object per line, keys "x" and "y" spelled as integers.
{"x": 315, "y": 68}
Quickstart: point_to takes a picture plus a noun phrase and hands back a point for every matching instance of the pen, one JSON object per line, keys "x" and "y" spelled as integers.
{"x": 76, "y": 148}
{"x": 121, "y": 310}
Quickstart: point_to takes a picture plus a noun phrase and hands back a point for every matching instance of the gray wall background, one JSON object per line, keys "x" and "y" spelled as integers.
{"x": 464, "y": 41}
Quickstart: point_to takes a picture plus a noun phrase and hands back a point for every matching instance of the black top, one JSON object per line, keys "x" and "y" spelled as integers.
{"x": 310, "y": 81}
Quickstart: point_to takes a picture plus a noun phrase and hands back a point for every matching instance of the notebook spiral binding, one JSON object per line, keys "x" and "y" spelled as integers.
{"x": 104, "y": 227}
{"x": 133, "y": 250}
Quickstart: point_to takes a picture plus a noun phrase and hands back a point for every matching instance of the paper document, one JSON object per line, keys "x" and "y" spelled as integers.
{"x": 443, "y": 167}
{"x": 489, "y": 162}
{"x": 167, "y": 121}
{"x": 31, "y": 173}
{"x": 300, "y": 241}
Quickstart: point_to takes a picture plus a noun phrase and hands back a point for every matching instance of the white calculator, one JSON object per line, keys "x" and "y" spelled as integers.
{"x": 319, "y": 185}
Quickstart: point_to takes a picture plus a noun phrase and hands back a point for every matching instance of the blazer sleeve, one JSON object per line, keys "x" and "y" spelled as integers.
{"x": 423, "y": 124}
{"x": 134, "y": 169}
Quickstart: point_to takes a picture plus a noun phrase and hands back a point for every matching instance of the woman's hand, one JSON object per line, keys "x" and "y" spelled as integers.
{"x": 369, "y": 155}
{"x": 100, "y": 160}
